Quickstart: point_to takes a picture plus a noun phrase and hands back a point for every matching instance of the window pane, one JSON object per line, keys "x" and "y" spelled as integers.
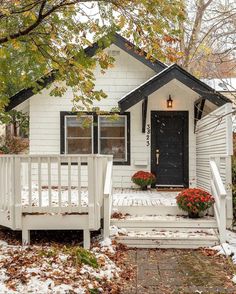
{"x": 79, "y": 146}
{"x": 112, "y": 128}
{"x": 115, "y": 147}
{"x": 75, "y": 127}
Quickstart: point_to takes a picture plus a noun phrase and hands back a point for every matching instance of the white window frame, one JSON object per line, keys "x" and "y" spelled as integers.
{"x": 126, "y": 138}
{"x": 92, "y": 132}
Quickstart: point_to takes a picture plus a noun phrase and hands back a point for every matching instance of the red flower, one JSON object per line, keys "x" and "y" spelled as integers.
{"x": 143, "y": 178}
{"x": 194, "y": 200}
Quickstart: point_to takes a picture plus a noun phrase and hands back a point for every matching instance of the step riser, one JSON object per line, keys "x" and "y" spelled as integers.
{"x": 169, "y": 246}
{"x": 178, "y": 244}
{"x": 149, "y": 210}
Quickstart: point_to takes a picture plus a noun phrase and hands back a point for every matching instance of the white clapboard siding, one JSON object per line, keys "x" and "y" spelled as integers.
{"x": 214, "y": 140}
{"x": 127, "y": 74}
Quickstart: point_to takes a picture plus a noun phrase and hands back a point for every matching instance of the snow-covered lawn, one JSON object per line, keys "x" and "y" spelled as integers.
{"x": 59, "y": 269}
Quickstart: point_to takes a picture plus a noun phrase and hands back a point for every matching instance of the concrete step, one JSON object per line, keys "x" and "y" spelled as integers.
{"x": 179, "y": 238}
{"x": 158, "y": 221}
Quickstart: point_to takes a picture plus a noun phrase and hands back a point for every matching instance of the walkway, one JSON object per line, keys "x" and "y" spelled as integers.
{"x": 179, "y": 271}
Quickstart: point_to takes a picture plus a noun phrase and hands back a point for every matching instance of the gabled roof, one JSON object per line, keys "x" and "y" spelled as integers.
{"x": 118, "y": 40}
{"x": 172, "y": 72}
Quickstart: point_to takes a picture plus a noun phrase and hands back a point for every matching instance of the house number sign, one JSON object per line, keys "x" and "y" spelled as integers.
{"x": 148, "y": 135}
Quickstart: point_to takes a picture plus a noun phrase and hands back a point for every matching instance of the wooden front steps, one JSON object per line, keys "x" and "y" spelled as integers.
{"x": 159, "y": 238}
{"x": 155, "y": 231}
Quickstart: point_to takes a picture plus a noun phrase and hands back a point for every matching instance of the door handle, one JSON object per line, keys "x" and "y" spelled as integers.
{"x": 157, "y": 156}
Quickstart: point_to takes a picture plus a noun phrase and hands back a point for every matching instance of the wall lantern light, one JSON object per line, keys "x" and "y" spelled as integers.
{"x": 169, "y": 102}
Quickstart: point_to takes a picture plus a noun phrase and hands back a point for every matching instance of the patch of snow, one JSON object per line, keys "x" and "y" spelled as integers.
{"x": 129, "y": 197}
{"x": 54, "y": 196}
{"x": 178, "y": 233}
{"x": 224, "y": 249}
{"x": 63, "y": 257}
{"x": 121, "y": 197}
{"x": 228, "y": 249}
{"x": 45, "y": 274}
{"x": 3, "y": 243}
{"x": 106, "y": 243}
{"x": 115, "y": 231}
{"x": 234, "y": 279}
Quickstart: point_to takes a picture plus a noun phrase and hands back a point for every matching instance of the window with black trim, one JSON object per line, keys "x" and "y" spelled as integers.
{"x": 92, "y": 133}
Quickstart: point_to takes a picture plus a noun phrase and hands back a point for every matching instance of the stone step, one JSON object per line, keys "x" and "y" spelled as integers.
{"x": 159, "y": 221}
{"x": 181, "y": 238}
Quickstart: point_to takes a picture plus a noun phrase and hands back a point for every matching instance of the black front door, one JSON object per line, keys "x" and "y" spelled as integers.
{"x": 169, "y": 151}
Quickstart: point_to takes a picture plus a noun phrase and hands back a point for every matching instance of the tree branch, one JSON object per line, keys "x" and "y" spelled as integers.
{"x": 41, "y": 18}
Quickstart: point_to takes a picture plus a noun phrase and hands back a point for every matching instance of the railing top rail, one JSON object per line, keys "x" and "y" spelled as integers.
{"x": 56, "y": 155}
{"x": 216, "y": 174}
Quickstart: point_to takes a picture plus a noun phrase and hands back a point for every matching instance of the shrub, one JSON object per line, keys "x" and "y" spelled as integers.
{"x": 194, "y": 200}
{"x": 142, "y": 178}
{"x": 81, "y": 256}
{"x": 13, "y": 145}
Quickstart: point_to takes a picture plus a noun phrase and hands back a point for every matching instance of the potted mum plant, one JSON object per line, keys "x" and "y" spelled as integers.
{"x": 194, "y": 201}
{"x": 143, "y": 179}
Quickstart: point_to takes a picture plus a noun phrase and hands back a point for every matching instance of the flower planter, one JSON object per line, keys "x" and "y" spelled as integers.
{"x": 195, "y": 202}
{"x": 193, "y": 214}
{"x": 144, "y": 188}
{"x": 143, "y": 179}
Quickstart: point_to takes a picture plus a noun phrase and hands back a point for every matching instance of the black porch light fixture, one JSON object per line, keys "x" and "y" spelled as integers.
{"x": 169, "y": 102}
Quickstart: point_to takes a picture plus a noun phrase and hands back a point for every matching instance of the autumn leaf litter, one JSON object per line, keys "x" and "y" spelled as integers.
{"x": 60, "y": 269}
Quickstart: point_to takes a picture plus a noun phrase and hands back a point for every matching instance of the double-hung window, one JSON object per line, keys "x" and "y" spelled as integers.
{"x": 92, "y": 133}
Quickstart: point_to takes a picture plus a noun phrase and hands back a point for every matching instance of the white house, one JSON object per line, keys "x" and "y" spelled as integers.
{"x": 170, "y": 123}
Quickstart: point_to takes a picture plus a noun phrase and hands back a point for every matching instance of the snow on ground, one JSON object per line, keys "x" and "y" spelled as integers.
{"x": 228, "y": 249}
{"x": 131, "y": 197}
{"x": 121, "y": 197}
{"x": 169, "y": 234}
{"x": 55, "y": 196}
{"x": 55, "y": 269}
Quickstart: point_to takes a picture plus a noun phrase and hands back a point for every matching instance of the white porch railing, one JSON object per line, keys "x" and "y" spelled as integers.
{"x": 219, "y": 193}
{"x": 53, "y": 184}
{"x": 107, "y": 200}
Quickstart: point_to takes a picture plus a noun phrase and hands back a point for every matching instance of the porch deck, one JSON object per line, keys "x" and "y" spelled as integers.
{"x": 136, "y": 197}
{"x": 46, "y": 192}
{"x": 121, "y": 197}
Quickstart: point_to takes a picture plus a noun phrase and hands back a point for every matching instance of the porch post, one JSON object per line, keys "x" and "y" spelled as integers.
{"x": 17, "y": 192}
